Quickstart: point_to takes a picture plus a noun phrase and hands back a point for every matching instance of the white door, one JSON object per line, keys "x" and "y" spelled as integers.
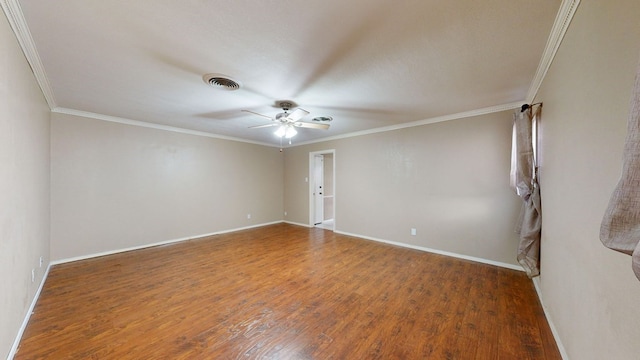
{"x": 318, "y": 191}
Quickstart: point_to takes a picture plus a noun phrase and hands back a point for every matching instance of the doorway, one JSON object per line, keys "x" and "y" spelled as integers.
{"x": 322, "y": 189}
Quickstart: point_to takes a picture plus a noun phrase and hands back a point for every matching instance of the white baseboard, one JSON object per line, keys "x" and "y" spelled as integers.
{"x": 554, "y": 331}
{"x": 440, "y": 252}
{"x": 166, "y": 242}
{"x": 16, "y": 342}
{"x": 23, "y": 327}
{"x": 298, "y": 224}
{"x": 434, "y": 251}
{"x": 536, "y": 280}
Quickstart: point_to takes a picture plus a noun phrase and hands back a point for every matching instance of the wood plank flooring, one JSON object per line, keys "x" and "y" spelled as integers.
{"x": 285, "y": 292}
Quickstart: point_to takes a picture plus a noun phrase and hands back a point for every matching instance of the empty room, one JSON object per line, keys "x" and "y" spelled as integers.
{"x": 320, "y": 179}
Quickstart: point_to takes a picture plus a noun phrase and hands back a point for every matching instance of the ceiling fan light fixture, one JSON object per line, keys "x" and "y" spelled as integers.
{"x": 291, "y": 132}
{"x": 222, "y": 82}
{"x": 286, "y": 131}
{"x": 282, "y": 130}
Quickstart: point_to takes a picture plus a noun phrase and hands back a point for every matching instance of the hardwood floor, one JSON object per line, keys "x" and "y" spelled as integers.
{"x": 285, "y": 292}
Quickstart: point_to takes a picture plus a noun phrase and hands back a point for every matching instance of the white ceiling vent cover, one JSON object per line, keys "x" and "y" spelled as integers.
{"x": 222, "y": 82}
{"x": 322, "y": 119}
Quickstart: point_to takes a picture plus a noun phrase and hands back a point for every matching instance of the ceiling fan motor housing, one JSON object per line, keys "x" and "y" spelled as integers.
{"x": 285, "y": 105}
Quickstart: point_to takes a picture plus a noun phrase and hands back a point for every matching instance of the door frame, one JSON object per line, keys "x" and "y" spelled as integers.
{"x": 312, "y": 184}
{"x": 318, "y": 191}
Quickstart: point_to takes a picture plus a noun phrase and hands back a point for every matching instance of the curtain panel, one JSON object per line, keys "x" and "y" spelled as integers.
{"x": 620, "y": 228}
{"x": 524, "y": 181}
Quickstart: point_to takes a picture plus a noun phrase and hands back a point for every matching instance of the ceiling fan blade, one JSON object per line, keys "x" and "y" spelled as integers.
{"x": 255, "y": 113}
{"x": 311, "y": 125}
{"x": 297, "y": 114}
{"x": 263, "y": 126}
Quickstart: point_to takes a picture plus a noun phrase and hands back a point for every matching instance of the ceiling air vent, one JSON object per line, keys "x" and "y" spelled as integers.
{"x": 221, "y": 82}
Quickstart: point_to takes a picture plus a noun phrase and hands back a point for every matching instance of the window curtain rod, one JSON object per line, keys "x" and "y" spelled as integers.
{"x": 527, "y": 106}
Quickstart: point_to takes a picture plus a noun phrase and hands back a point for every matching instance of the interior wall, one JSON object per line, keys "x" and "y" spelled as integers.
{"x": 117, "y": 186}
{"x": 24, "y": 187}
{"x": 449, "y": 181}
{"x": 590, "y": 291}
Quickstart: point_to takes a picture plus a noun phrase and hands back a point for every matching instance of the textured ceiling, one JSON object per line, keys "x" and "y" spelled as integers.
{"x": 366, "y": 63}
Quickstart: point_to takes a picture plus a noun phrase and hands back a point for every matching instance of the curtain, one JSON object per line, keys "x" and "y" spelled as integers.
{"x": 620, "y": 228}
{"x": 524, "y": 181}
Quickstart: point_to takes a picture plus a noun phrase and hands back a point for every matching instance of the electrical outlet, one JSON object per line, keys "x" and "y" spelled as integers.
{"x": 413, "y": 231}
{"x": 285, "y": 213}
{"x": 248, "y": 216}
{"x": 41, "y": 261}
{"x": 33, "y": 275}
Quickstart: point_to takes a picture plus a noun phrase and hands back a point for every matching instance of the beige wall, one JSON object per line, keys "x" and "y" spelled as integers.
{"x": 117, "y": 186}
{"x": 24, "y": 186}
{"x": 448, "y": 180}
{"x": 590, "y": 291}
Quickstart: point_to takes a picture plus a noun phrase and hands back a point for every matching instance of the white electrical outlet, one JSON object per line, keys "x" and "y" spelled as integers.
{"x": 306, "y": 179}
{"x": 41, "y": 261}
{"x": 248, "y": 216}
{"x": 413, "y": 231}
{"x": 33, "y": 275}
{"x": 285, "y": 213}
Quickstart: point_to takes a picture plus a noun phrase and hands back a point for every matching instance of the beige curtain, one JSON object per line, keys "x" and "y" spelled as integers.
{"x": 620, "y": 228}
{"x": 524, "y": 181}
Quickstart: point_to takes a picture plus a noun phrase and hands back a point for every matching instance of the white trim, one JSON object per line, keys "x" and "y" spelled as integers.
{"x": 161, "y": 243}
{"x": 25, "y": 322}
{"x": 536, "y": 280}
{"x": 120, "y": 120}
{"x": 560, "y": 25}
{"x": 15, "y": 16}
{"x": 298, "y": 224}
{"x": 462, "y": 115}
{"x": 312, "y": 154}
{"x": 554, "y": 331}
{"x": 16, "y": 19}
{"x": 23, "y": 327}
{"x": 434, "y": 251}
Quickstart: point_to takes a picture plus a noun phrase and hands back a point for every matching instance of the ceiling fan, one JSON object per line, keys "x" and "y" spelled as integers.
{"x": 287, "y": 122}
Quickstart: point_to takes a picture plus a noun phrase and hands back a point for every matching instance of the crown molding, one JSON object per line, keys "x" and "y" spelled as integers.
{"x": 462, "y": 115}
{"x": 115, "y": 119}
{"x": 561, "y": 24}
{"x": 14, "y": 14}
{"x": 120, "y": 120}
